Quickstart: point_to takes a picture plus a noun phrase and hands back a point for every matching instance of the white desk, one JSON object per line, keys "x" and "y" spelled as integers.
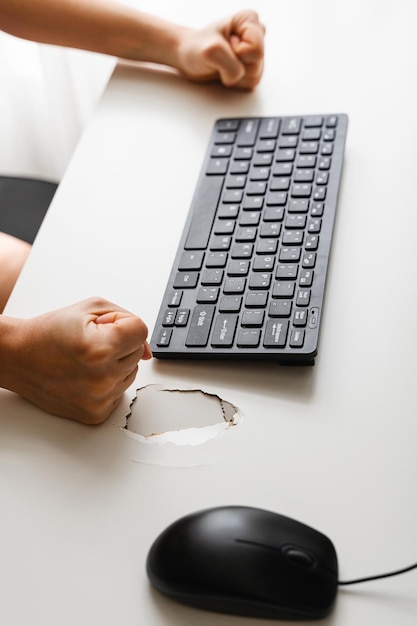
{"x": 333, "y": 445}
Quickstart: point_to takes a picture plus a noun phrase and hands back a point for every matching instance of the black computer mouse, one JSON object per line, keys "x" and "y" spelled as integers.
{"x": 246, "y": 561}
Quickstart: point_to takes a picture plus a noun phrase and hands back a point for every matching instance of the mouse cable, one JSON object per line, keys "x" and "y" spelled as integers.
{"x": 377, "y": 577}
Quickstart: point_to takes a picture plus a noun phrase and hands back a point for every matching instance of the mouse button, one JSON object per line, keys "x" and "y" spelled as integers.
{"x": 299, "y": 556}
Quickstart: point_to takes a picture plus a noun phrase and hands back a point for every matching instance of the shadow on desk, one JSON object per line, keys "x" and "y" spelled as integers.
{"x": 147, "y": 81}
{"x": 268, "y": 379}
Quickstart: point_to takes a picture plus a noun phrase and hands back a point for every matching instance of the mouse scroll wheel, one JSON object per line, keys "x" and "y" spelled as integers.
{"x": 298, "y": 556}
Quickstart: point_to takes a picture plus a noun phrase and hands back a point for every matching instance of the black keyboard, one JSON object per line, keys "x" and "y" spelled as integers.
{"x": 248, "y": 280}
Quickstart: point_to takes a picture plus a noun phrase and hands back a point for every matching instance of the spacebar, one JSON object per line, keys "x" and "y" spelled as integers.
{"x": 204, "y": 209}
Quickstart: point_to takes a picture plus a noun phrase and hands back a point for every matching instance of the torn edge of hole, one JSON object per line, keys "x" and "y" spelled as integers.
{"x": 192, "y": 435}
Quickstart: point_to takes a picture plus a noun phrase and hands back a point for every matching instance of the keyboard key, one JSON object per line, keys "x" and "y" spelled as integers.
{"x": 247, "y": 133}
{"x": 207, "y": 294}
{"x": 303, "y": 297}
{"x": 164, "y": 337}
{"x": 224, "y": 331}
{"x": 297, "y": 338}
{"x": 253, "y": 318}
{"x": 217, "y": 166}
{"x": 256, "y": 300}
{"x": 216, "y": 259}
{"x": 186, "y": 280}
{"x": 181, "y": 317}
{"x": 260, "y": 281}
{"x": 269, "y": 128}
{"x": 192, "y": 260}
{"x": 231, "y": 304}
{"x": 276, "y": 333}
{"x": 300, "y": 317}
{"x": 169, "y": 317}
{"x": 249, "y": 338}
{"x": 280, "y": 308}
{"x": 200, "y": 326}
{"x": 291, "y": 126}
{"x": 174, "y": 298}
{"x": 283, "y": 289}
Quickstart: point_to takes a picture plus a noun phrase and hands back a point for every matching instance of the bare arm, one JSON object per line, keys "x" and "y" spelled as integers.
{"x": 230, "y": 50}
{"x": 97, "y": 25}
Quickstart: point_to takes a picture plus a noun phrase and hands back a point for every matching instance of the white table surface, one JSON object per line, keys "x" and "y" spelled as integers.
{"x": 331, "y": 445}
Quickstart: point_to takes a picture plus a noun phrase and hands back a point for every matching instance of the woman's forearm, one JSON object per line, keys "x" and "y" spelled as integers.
{"x": 96, "y": 25}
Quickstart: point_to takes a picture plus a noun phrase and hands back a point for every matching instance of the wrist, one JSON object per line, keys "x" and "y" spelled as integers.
{"x": 160, "y": 43}
{"x": 176, "y": 35}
